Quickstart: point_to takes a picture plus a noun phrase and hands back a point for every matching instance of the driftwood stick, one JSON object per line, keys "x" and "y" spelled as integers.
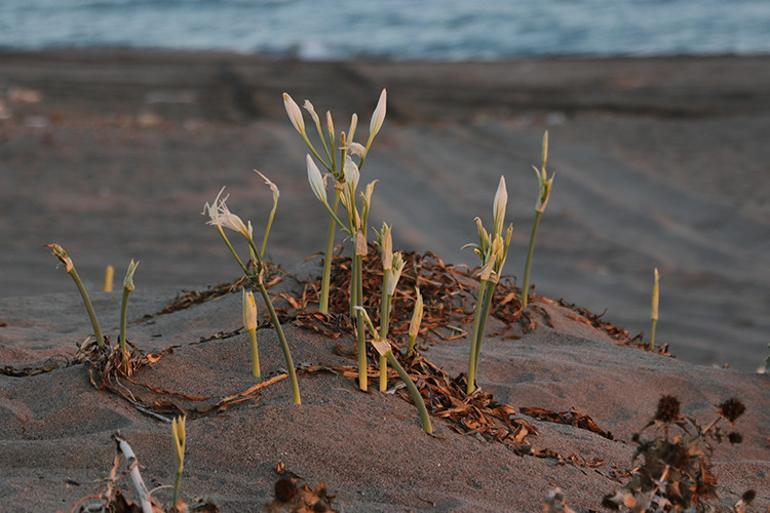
{"x": 136, "y": 476}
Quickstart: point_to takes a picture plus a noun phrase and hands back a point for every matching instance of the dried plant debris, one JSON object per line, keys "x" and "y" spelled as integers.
{"x": 447, "y": 290}
{"x": 291, "y": 495}
{"x": 107, "y": 372}
{"x": 620, "y": 335}
{"x": 48, "y": 365}
{"x": 569, "y": 418}
{"x": 676, "y": 470}
{"x": 555, "y": 502}
{"x": 113, "y": 499}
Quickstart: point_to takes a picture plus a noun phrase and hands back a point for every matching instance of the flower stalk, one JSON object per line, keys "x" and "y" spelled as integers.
{"x": 383, "y": 347}
{"x": 250, "y": 326}
{"x": 128, "y": 288}
{"x": 221, "y": 217}
{"x": 492, "y": 249}
{"x": 392, "y": 266}
{"x": 60, "y": 253}
{"x": 545, "y": 185}
{"x": 179, "y": 436}
{"x": 109, "y": 278}
{"x": 654, "y": 308}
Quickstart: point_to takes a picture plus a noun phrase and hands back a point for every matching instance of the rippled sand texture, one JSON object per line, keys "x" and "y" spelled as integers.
{"x": 658, "y": 162}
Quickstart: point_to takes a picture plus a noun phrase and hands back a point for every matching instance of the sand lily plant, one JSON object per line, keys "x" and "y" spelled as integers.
{"x": 60, "y": 253}
{"x": 383, "y": 347}
{"x": 492, "y": 249}
{"x": 250, "y": 326}
{"x": 221, "y": 217}
{"x": 545, "y": 185}
{"x": 654, "y": 308}
{"x": 392, "y": 266}
{"x": 128, "y": 288}
{"x": 415, "y": 321}
{"x": 179, "y": 436}
{"x": 336, "y": 152}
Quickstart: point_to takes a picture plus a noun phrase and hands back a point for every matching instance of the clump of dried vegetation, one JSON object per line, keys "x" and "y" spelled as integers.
{"x": 676, "y": 469}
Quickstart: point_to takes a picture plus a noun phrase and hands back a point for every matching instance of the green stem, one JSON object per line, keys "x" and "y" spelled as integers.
{"x": 530, "y": 253}
{"x": 653, "y": 327}
{"x": 384, "y": 326}
{"x": 122, "y": 340}
{"x": 413, "y": 392}
{"x": 269, "y": 225}
{"x": 177, "y": 483}
{"x": 360, "y": 333}
{"x": 471, "y": 380}
{"x": 323, "y": 305}
{"x": 488, "y": 295}
{"x": 411, "y": 344}
{"x": 89, "y": 307}
{"x": 314, "y": 151}
{"x": 282, "y": 338}
{"x": 232, "y": 250}
{"x": 255, "y": 369}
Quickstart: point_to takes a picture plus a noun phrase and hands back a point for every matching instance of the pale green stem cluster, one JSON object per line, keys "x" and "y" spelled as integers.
{"x": 179, "y": 436}
{"x": 384, "y": 348}
{"x": 384, "y": 325}
{"x": 336, "y": 152}
{"x": 492, "y": 249}
{"x": 128, "y": 288}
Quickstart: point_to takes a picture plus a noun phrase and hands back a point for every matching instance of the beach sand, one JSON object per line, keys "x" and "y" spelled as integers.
{"x": 369, "y": 449}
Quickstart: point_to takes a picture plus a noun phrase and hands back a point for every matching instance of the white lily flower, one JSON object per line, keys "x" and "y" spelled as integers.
{"x": 378, "y": 116}
{"x": 311, "y": 110}
{"x": 395, "y": 273}
{"x": 317, "y": 183}
{"x": 352, "y": 175}
{"x": 357, "y": 149}
{"x": 128, "y": 280}
{"x": 498, "y": 207}
{"x": 220, "y": 215}
{"x": 273, "y": 187}
{"x": 294, "y": 113}
{"x": 386, "y": 247}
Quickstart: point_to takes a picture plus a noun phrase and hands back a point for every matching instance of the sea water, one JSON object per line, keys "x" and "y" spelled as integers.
{"x": 397, "y": 29}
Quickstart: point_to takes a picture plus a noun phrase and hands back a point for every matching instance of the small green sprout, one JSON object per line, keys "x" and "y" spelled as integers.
{"x": 250, "y": 325}
{"x": 336, "y": 153}
{"x": 545, "y": 185}
{"x": 179, "y": 435}
{"x": 415, "y": 321}
{"x": 221, "y": 217}
{"x": 492, "y": 249}
{"x": 383, "y": 347}
{"x": 654, "y": 308}
{"x": 128, "y": 288}
{"x": 60, "y": 253}
{"x": 109, "y": 277}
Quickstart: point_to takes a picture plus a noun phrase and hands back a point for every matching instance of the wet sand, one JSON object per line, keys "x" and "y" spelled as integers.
{"x": 659, "y": 162}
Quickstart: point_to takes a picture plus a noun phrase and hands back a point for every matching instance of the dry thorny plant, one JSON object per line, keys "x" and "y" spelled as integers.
{"x": 676, "y": 471}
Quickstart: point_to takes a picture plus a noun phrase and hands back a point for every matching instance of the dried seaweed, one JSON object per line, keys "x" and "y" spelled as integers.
{"x": 569, "y": 418}
{"x": 292, "y": 495}
{"x": 107, "y": 372}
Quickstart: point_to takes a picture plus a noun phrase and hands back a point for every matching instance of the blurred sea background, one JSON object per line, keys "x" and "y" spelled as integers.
{"x": 397, "y": 29}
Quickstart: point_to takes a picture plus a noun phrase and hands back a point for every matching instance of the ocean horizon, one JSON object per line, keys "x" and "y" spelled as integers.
{"x": 397, "y": 29}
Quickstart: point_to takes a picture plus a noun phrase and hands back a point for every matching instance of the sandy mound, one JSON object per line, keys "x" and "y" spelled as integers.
{"x": 55, "y": 428}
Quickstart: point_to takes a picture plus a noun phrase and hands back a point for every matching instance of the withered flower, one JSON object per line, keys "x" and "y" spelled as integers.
{"x": 731, "y": 409}
{"x": 668, "y": 409}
